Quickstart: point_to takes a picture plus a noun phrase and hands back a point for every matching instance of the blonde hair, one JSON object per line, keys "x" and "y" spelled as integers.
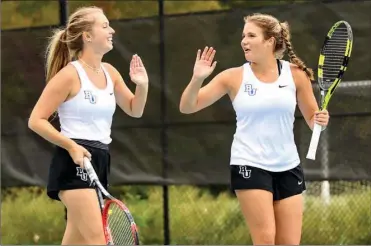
{"x": 66, "y": 44}
{"x": 281, "y": 34}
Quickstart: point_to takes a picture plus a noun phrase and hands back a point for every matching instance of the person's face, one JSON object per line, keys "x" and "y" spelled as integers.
{"x": 253, "y": 43}
{"x": 101, "y": 34}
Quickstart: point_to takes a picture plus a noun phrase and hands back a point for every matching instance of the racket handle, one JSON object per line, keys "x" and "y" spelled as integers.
{"x": 90, "y": 170}
{"x": 314, "y": 142}
{"x": 94, "y": 177}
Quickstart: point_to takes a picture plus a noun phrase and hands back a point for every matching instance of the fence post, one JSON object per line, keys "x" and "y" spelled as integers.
{"x": 63, "y": 13}
{"x": 164, "y": 140}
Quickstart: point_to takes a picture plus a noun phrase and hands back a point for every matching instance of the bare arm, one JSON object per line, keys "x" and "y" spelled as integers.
{"x": 56, "y": 92}
{"x": 306, "y": 101}
{"x": 131, "y": 104}
{"x": 195, "y": 98}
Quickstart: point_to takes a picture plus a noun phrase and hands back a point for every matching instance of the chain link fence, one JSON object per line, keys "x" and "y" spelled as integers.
{"x": 338, "y": 196}
{"x": 197, "y": 215}
{"x": 335, "y": 212}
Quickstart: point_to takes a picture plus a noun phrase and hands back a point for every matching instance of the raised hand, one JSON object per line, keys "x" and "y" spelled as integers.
{"x": 204, "y": 64}
{"x": 138, "y": 73}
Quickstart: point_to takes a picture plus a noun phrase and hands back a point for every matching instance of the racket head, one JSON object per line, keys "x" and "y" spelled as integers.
{"x": 334, "y": 55}
{"x": 118, "y": 223}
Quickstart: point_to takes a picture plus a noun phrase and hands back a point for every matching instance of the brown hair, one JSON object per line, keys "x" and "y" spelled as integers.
{"x": 281, "y": 34}
{"x": 66, "y": 44}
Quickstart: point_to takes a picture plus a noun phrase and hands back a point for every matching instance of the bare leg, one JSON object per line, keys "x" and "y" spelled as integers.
{"x": 257, "y": 208}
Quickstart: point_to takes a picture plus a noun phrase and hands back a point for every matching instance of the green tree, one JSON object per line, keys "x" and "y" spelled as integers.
{"x": 256, "y": 3}
{"x": 24, "y": 14}
{"x": 21, "y": 14}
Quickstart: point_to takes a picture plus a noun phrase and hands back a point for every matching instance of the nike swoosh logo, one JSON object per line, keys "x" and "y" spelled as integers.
{"x": 281, "y": 86}
{"x": 300, "y": 182}
{"x": 111, "y": 93}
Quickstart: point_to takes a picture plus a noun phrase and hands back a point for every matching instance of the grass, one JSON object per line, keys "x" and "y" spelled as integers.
{"x": 196, "y": 217}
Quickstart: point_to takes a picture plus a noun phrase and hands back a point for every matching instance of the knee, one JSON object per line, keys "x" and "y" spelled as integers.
{"x": 264, "y": 237}
{"x": 292, "y": 238}
{"x": 89, "y": 233}
{"x": 95, "y": 235}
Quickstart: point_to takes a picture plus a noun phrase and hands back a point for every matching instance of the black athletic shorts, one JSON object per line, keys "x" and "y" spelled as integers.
{"x": 282, "y": 184}
{"x": 64, "y": 174}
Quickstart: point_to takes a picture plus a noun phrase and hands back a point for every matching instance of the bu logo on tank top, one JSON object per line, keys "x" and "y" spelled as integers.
{"x": 246, "y": 173}
{"x": 92, "y": 98}
{"x": 250, "y": 90}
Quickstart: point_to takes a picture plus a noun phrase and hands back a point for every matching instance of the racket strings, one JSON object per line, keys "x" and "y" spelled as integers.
{"x": 334, "y": 52}
{"x": 119, "y": 226}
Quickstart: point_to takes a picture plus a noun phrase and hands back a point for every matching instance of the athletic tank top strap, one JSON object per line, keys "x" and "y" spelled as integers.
{"x": 245, "y": 73}
{"x": 247, "y": 82}
{"x": 287, "y": 75}
{"x": 246, "y": 78}
{"x": 110, "y": 85}
{"x": 84, "y": 79}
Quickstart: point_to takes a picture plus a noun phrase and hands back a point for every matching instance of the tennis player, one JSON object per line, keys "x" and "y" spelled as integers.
{"x": 84, "y": 91}
{"x": 265, "y": 166}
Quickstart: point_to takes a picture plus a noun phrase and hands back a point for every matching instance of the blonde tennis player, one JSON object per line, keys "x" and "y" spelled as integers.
{"x": 84, "y": 91}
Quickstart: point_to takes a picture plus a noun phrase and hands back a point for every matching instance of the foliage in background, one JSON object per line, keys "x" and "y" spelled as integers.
{"x": 256, "y": 3}
{"x": 21, "y": 14}
{"x": 196, "y": 217}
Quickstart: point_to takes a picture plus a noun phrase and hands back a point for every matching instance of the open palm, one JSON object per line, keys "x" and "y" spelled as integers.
{"x": 204, "y": 64}
{"x": 138, "y": 73}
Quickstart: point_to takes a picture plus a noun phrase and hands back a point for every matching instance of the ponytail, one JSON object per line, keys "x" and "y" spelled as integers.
{"x": 290, "y": 51}
{"x": 57, "y": 54}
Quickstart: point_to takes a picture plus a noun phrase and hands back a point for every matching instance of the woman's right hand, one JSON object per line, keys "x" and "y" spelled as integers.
{"x": 204, "y": 64}
{"x": 77, "y": 153}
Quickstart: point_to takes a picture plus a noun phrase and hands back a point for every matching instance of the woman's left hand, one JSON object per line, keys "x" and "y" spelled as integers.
{"x": 138, "y": 73}
{"x": 321, "y": 117}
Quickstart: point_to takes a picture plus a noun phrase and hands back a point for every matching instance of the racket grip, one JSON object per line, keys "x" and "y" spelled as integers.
{"x": 314, "y": 142}
{"x": 89, "y": 169}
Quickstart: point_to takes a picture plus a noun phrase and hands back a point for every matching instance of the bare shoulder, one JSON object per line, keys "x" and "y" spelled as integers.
{"x": 113, "y": 72}
{"x": 297, "y": 72}
{"x": 231, "y": 75}
{"x": 233, "y": 71}
{"x": 67, "y": 76}
{"x": 63, "y": 85}
{"x": 299, "y": 76}
{"x": 109, "y": 66}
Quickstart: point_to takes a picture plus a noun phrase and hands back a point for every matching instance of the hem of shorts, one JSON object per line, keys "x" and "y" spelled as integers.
{"x": 285, "y": 168}
{"x": 291, "y": 195}
{"x": 56, "y": 191}
{"x": 252, "y": 188}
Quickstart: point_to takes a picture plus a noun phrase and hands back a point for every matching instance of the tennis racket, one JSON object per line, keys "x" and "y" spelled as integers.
{"x": 332, "y": 64}
{"x": 118, "y": 223}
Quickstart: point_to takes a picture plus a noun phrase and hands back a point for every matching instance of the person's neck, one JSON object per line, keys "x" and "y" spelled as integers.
{"x": 91, "y": 59}
{"x": 266, "y": 66}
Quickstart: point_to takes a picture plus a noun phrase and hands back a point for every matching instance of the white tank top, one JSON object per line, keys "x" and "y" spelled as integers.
{"x": 264, "y": 135}
{"x": 89, "y": 114}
